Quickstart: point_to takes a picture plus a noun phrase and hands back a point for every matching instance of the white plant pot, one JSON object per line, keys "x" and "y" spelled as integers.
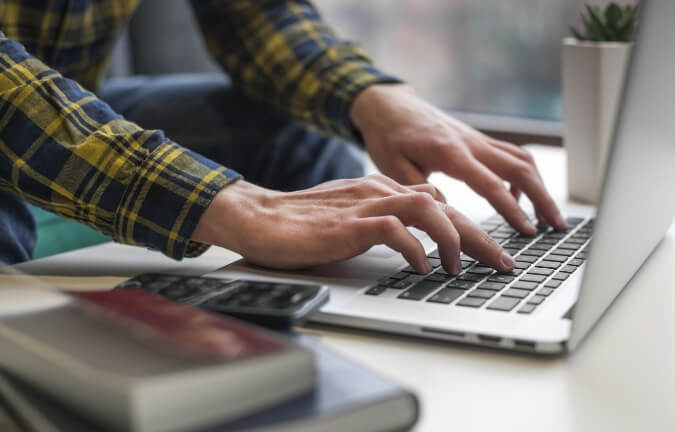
{"x": 592, "y": 79}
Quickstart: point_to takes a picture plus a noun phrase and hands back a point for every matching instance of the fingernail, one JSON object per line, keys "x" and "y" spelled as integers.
{"x": 506, "y": 261}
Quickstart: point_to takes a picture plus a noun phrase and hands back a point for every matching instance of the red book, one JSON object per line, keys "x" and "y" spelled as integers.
{"x": 184, "y": 329}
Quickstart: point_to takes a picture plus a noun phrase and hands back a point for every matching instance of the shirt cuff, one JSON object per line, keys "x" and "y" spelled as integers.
{"x": 166, "y": 198}
{"x": 339, "y": 103}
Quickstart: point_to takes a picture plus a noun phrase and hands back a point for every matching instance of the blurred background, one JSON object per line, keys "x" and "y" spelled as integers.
{"x": 495, "y": 57}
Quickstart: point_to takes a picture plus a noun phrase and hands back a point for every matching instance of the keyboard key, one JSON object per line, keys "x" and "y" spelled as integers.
{"x": 536, "y": 300}
{"x": 511, "y": 251}
{"x": 472, "y": 302}
{"x": 548, "y": 264}
{"x": 502, "y": 303}
{"x": 541, "y": 271}
{"x": 568, "y": 269}
{"x": 524, "y": 285}
{"x": 563, "y": 252}
{"x": 435, "y": 278}
{"x": 435, "y": 262}
{"x": 421, "y": 290}
{"x": 582, "y": 255}
{"x": 522, "y": 265}
{"x": 495, "y": 286}
{"x": 527, "y": 308}
{"x": 514, "y": 292}
{"x": 413, "y": 278}
{"x": 387, "y": 281}
{"x": 533, "y": 278}
{"x": 548, "y": 242}
{"x": 568, "y": 245}
{"x": 471, "y": 277}
{"x": 376, "y": 290}
{"x": 542, "y": 227}
{"x": 541, "y": 246}
{"x": 446, "y": 295}
{"x": 409, "y": 270}
{"x": 557, "y": 258}
{"x": 533, "y": 252}
{"x": 553, "y": 283}
{"x": 516, "y": 244}
{"x": 462, "y": 284}
{"x": 502, "y": 278}
{"x": 482, "y": 293}
{"x": 480, "y": 269}
{"x": 466, "y": 264}
{"x": 525, "y": 258}
{"x": 545, "y": 291}
{"x": 561, "y": 276}
{"x": 400, "y": 285}
{"x": 515, "y": 271}
{"x": 576, "y": 262}
{"x": 399, "y": 275}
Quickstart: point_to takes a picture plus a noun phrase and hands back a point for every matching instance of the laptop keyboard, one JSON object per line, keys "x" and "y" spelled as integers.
{"x": 544, "y": 261}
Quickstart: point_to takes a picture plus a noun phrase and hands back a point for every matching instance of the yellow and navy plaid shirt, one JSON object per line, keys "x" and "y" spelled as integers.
{"x": 63, "y": 149}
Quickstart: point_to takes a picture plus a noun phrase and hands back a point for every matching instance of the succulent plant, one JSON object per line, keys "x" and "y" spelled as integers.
{"x": 614, "y": 23}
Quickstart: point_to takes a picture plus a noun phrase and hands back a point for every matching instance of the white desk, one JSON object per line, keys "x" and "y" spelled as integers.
{"x": 621, "y": 379}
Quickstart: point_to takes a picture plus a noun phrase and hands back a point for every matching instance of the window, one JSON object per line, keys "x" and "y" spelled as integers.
{"x": 498, "y": 57}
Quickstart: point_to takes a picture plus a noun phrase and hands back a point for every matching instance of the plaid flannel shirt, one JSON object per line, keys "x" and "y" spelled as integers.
{"x": 63, "y": 149}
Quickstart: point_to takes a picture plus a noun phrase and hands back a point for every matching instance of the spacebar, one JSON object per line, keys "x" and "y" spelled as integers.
{"x": 421, "y": 290}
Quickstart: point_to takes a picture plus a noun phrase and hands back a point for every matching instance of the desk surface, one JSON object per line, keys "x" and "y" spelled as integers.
{"x": 622, "y": 378}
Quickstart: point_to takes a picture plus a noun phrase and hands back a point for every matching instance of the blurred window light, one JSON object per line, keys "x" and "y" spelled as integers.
{"x": 498, "y": 57}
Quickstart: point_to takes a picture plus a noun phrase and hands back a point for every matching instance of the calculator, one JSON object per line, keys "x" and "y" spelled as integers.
{"x": 275, "y": 305}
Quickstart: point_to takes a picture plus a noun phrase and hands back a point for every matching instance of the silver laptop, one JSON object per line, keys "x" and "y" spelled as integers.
{"x": 563, "y": 281}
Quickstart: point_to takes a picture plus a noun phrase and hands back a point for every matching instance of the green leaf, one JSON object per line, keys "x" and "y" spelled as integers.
{"x": 613, "y": 14}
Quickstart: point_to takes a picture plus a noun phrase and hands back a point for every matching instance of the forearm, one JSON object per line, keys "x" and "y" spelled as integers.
{"x": 281, "y": 51}
{"x": 63, "y": 149}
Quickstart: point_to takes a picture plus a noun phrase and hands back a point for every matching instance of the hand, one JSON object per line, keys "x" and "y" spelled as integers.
{"x": 408, "y": 139}
{"x": 341, "y": 219}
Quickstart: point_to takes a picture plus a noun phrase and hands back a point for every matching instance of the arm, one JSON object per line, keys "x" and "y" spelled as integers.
{"x": 281, "y": 51}
{"x": 66, "y": 151}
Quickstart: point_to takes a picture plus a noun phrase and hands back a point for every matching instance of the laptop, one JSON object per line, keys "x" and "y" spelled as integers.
{"x": 563, "y": 281}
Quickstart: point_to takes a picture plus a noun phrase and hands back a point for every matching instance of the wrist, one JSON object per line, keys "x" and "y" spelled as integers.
{"x": 224, "y": 222}
{"x": 365, "y": 107}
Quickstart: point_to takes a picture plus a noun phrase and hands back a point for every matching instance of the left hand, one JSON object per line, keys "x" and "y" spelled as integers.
{"x": 408, "y": 139}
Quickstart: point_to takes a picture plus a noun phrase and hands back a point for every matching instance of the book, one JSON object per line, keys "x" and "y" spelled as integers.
{"x": 131, "y": 360}
{"x": 347, "y": 397}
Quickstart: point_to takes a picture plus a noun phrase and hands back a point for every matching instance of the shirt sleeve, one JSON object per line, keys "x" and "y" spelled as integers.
{"x": 281, "y": 51}
{"x": 66, "y": 151}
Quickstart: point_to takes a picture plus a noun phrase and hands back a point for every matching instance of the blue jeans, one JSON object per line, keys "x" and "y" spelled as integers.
{"x": 206, "y": 114}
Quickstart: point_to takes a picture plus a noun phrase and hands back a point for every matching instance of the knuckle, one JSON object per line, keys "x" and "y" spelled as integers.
{"x": 526, "y": 155}
{"x": 389, "y": 224}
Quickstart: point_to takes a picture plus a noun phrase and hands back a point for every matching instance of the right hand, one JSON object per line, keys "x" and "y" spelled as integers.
{"x": 340, "y": 219}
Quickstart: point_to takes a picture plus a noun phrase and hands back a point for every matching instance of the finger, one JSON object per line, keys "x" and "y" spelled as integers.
{"x": 526, "y": 157}
{"x": 477, "y": 243}
{"x": 390, "y": 231}
{"x": 420, "y": 210}
{"x": 525, "y": 177}
{"x": 486, "y": 183}
{"x": 515, "y": 191}
{"x": 426, "y": 188}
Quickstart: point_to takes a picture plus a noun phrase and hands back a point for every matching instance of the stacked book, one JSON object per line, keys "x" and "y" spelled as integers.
{"x": 131, "y": 360}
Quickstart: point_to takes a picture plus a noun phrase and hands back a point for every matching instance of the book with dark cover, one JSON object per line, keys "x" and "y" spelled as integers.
{"x": 347, "y": 397}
